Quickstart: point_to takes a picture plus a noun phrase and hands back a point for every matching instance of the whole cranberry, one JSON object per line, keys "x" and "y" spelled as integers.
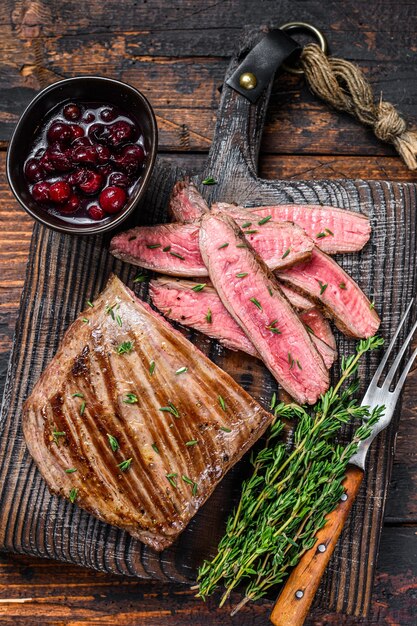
{"x": 71, "y": 205}
{"x": 95, "y": 212}
{"x": 108, "y": 115}
{"x": 92, "y": 183}
{"x": 58, "y": 131}
{"x": 33, "y": 170}
{"x": 84, "y": 154}
{"x": 72, "y": 112}
{"x": 103, "y": 154}
{"x": 77, "y": 131}
{"x": 89, "y": 117}
{"x": 59, "y": 157}
{"x": 119, "y": 179}
{"x": 130, "y": 158}
{"x": 120, "y": 133}
{"x": 60, "y": 192}
{"x": 40, "y": 191}
{"x": 99, "y": 133}
{"x": 112, "y": 199}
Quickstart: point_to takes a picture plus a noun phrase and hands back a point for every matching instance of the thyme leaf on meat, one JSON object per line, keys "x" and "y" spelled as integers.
{"x": 152, "y": 365}
{"x": 178, "y": 256}
{"x": 57, "y": 434}
{"x": 250, "y": 232}
{"x": 114, "y": 444}
{"x": 224, "y": 245}
{"x": 273, "y": 327}
{"x": 209, "y": 181}
{"x": 124, "y": 465}
{"x": 222, "y": 403}
{"x": 323, "y": 287}
{"x": 209, "y": 318}
{"x": 153, "y": 246}
{"x": 194, "y": 485}
{"x": 131, "y": 398}
{"x": 225, "y": 429}
{"x": 286, "y": 253}
{"x": 170, "y": 409}
{"x": 241, "y": 245}
{"x": 77, "y": 394}
{"x": 246, "y": 225}
{"x": 70, "y": 470}
{"x": 85, "y": 320}
{"x": 342, "y": 285}
{"x": 73, "y": 495}
{"x": 155, "y": 448}
{"x": 199, "y": 287}
{"x": 181, "y": 370}
{"x": 293, "y": 486}
{"x": 241, "y": 274}
{"x": 171, "y": 479}
{"x": 90, "y": 304}
{"x": 372, "y": 305}
{"x": 82, "y": 408}
{"x": 125, "y": 347}
{"x": 256, "y": 303}
{"x": 320, "y": 235}
{"x": 264, "y": 220}
{"x": 192, "y": 442}
{"x": 166, "y": 249}
{"x": 140, "y": 278}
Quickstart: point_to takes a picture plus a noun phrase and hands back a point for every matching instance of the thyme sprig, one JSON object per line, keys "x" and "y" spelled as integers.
{"x": 292, "y": 488}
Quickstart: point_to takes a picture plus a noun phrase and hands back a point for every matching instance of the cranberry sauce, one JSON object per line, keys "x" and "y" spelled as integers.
{"x": 85, "y": 161}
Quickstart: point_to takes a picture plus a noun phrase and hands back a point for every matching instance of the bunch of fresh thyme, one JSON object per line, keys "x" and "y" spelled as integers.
{"x": 285, "y": 501}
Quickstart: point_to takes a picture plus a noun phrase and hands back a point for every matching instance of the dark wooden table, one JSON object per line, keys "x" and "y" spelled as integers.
{"x": 176, "y": 52}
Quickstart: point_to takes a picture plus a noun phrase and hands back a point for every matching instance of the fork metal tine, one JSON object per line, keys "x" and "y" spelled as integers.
{"x": 390, "y": 347}
{"x": 389, "y": 378}
{"x": 403, "y": 376}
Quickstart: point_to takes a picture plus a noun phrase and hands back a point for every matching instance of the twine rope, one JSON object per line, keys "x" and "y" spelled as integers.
{"x": 343, "y": 85}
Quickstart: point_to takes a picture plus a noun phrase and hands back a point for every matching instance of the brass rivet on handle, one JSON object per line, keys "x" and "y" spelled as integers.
{"x": 247, "y": 80}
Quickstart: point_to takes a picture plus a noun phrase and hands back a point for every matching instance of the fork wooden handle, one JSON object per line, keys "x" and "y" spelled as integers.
{"x": 294, "y": 602}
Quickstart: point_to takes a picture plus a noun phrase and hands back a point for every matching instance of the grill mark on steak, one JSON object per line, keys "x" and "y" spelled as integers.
{"x": 140, "y": 500}
{"x": 177, "y": 300}
{"x": 281, "y": 245}
{"x": 290, "y": 356}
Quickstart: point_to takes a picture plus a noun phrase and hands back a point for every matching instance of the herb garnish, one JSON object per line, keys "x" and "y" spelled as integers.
{"x": 114, "y": 444}
{"x": 224, "y": 245}
{"x": 372, "y": 305}
{"x": 264, "y": 220}
{"x": 152, "y": 367}
{"x": 57, "y": 434}
{"x": 85, "y": 320}
{"x": 222, "y": 402}
{"x": 190, "y": 482}
{"x": 166, "y": 249}
{"x": 273, "y": 327}
{"x": 273, "y": 401}
{"x": 342, "y": 285}
{"x": 290, "y": 360}
{"x": 292, "y": 488}
{"x": 320, "y": 235}
{"x": 178, "y": 256}
{"x": 241, "y": 245}
{"x": 309, "y": 329}
{"x": 131, "y": 398}
{"x": 82, "y": 408}
{"x": 77, "y": 394}
{"x": 299, "y": 364}
{"x": 171, "y": 479}
{"x": 90, "y": 304}
{"x": 155, "y": 448}
{"x": 286, "y": 253}
{"x": 181, "y": 370}
{"x": 250, "y": 232}
{"x": 140, "y": 278}
{"x": 241, "y": 274}
{"x": 323, "y": 286}
{"x": 71, "y": 470}
{"x": 225, "y": 430}
{"x": 119, "y": 320}
{"x": 124, "y": 465}
{"x": 270, "y": 290}
{"x": 199, "y": 287}
{"x": 209, "y": 181}
{"x": 246, "y": 225}
{"x": 170, "y": 409}
{"x": 193, "y": 442}
{"x": 153, "y": 246}
{"x": 256, "y": 303}
{"x": 110, "y": 309}
{"x": 73, "y": 495}
{"x": 208, "y": 316}
{"x": 125, "y": 348}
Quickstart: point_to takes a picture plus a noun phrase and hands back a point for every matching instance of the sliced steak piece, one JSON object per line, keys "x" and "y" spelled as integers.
{"x": 299, "y": 302}
{"x": 260, "y": 309}
{"x": 186, "y": 203}
{"x": 173, "y": 249}
{"x": 169, "y": 248}
{"x": 324, "y": 281}
{"x": 127, "y": 420}
{"x": 183, "y": 301}
{"x": 332, "y": 230}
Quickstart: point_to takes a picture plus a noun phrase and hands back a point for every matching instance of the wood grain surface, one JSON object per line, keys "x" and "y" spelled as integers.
{"x": 76, "y": 599}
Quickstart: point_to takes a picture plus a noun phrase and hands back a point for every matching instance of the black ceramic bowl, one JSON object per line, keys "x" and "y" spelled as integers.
{"x": 88, "y": 89}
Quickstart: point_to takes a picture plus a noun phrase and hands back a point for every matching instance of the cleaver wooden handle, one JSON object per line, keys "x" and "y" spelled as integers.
{"x": 294, "y": 602}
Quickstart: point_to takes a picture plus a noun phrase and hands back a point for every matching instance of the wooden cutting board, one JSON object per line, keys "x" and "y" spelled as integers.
{"x": 64, "y": 272}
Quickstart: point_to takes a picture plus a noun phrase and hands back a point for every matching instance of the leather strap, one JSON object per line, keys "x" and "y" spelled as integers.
{"x": 263, "y": 61}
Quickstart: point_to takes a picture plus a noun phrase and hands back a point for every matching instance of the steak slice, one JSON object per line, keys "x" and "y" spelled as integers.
{"x": 260, "y": 309}
{"x": 324, "y": 281}
{"x": 204, "y": 311}
{"x": 332, "y": 230}
{"x": 299, "y": 302}
{"x": 173, "y": 249}
{"x": 186, "y": 203}
{"x": 171, "y": 441}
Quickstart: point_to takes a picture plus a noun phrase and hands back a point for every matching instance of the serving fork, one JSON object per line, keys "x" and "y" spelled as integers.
{"x": 294, "y": 602}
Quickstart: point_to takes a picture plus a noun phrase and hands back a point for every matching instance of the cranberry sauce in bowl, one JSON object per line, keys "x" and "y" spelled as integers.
{"x": 80, "y": 164}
